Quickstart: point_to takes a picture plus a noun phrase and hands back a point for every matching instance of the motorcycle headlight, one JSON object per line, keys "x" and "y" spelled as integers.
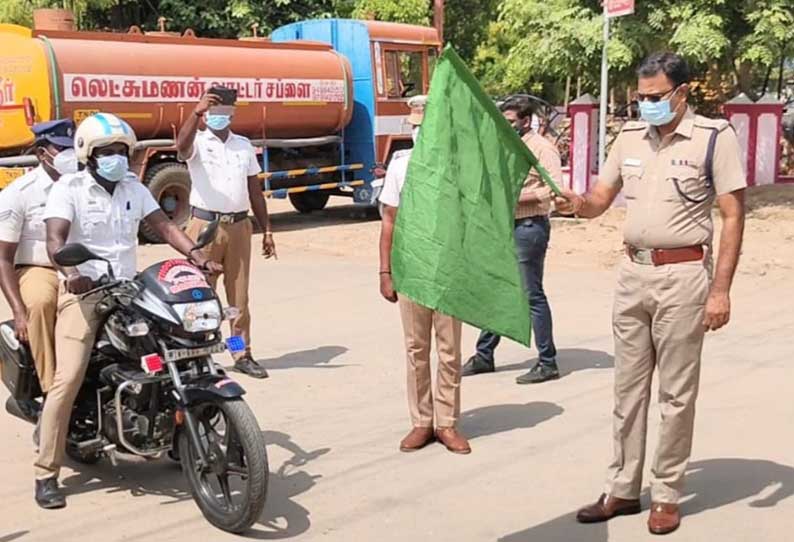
{"x": 199, "y": 317}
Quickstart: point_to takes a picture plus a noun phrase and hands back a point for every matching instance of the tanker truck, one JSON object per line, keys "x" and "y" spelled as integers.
{"x": 323, "y": 101}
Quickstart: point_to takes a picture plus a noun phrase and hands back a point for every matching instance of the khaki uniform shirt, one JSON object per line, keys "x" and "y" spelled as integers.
{"x": 549, "y": 157}
{"x": 647, "y": 168}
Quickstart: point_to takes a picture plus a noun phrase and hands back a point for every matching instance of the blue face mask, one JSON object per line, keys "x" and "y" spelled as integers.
{"x": 112, "y": 168}
{"x": 657, "y": 113}
{"x": 218, "y": 122}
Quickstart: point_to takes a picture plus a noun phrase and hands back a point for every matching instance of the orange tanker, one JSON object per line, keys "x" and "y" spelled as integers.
{"x": 284, "y": 90}
{"x": 324, "y": 102}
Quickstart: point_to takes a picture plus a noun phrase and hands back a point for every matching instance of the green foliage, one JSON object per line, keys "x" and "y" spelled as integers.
{"x": 513, "y": 45}
{"x": 466, "y": 24}
{"x": 398, "y": 11}
{"x": 535, "y": 45}
{"x": 234, "y": 18}
{"x": 21, "y": 11}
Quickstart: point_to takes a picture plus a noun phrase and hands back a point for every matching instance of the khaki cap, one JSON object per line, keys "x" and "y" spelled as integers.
{"x": 417, "y": 105}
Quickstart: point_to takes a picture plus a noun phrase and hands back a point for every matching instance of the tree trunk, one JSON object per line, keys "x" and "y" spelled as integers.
{"x": 744, "y": 79}
{"x": 766, "y": 79}
{"x": 782, "y": 67}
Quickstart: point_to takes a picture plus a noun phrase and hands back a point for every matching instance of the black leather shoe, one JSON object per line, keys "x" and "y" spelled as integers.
{"x": 48, "y": 494}
{"x": 541, "y": 372}
{"x": 247, "y": 365}
{"x": 477, "y": 365}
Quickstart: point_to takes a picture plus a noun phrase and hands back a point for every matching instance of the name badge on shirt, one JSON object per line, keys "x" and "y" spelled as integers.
{"x": 632, "y": 162}
{"x": 682, "y": 163}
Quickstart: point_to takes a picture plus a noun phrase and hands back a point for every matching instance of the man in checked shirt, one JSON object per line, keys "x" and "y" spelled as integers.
{"x": 532, "y": 240}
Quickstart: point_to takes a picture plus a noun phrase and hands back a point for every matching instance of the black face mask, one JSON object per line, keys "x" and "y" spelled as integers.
{"x": 521, "y": 130}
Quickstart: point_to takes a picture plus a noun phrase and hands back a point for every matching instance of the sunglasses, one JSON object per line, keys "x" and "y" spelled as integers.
{"x": 654, "y": 98}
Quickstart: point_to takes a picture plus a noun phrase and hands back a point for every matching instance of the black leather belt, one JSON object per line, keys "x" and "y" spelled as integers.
{"x": 223, "y": 218}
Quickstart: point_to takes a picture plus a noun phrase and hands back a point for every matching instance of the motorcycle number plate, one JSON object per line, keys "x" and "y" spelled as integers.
{"x": 188, "y": 353}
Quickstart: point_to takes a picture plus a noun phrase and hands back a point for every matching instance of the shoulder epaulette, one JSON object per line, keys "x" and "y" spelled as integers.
{"x": 24, "y": 184}
{"x": 711, "y": 124}
{"x": 634, "y": 125}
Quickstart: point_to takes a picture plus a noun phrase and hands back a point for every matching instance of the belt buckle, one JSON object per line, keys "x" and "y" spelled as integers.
{"x": 642, "y": 256}
{"x": 225, "y": 219}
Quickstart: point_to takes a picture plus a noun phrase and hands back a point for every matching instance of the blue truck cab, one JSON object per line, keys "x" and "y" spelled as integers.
{"x": 391, "y": 62}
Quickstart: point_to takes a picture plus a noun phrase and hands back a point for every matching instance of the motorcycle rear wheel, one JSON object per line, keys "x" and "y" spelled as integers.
{"x": 232, "y": 439}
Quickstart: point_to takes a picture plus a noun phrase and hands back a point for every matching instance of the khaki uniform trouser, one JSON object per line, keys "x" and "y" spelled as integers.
{"x": 418, "y": 325}
{"x": 657, "y": 322}
{"x": 38, "y": 287}
{"x": 232, "y": 249}
{"x": 75, "y": 330}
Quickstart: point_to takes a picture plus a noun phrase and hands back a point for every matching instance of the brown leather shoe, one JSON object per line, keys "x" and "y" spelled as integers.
{"x": 664, "y": 519}
{"x": 453, "y": 440}
{"x": 606, "y": 508}
{"x": 418, "y": 438}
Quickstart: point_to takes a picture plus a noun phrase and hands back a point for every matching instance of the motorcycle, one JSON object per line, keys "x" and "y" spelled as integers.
{"x": 152, "y": 388}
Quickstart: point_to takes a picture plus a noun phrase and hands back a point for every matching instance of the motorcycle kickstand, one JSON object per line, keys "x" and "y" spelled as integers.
{"x": 110, "y": 451}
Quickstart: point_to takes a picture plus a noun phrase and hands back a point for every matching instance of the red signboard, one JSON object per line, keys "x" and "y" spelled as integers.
{"x": 616, "y": 8}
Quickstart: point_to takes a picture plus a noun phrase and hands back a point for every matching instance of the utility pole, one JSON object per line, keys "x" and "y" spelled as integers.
{"x": 602, "y": 112}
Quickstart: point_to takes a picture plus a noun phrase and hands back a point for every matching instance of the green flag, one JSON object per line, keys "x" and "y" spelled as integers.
{"x": 454, "y": 249}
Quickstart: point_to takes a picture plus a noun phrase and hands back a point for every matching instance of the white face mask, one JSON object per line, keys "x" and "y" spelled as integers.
{"x": 535, "y": 125}
{"x": 65, "y": 162}
{"x": 415, "y": 134}
{"x": 113, "y": 167}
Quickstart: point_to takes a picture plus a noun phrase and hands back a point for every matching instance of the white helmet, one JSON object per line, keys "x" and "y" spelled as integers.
{"x": 100, "y": 130}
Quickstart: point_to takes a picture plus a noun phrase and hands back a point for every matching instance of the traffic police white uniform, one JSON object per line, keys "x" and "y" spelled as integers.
{"x": 22, "y": 206}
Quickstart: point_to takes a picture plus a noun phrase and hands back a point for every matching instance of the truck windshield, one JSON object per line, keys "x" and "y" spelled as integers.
{"x": 404, "y": 74}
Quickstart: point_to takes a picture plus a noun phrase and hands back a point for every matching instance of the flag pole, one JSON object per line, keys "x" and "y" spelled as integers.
{"x": 602, "y": 120}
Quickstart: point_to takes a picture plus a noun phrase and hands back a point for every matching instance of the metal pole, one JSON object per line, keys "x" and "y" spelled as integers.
{"x": 602, "y": 114}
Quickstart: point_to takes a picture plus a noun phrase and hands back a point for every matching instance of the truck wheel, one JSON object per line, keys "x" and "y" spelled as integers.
{"x": 306, "y": 202}
{"x": 169, "y": 183}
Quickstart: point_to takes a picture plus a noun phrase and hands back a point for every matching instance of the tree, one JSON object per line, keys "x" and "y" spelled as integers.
{"x": 536, "y": 44}
{"x": 21, "y": 11}
{"x": 398, "y": 11}
{"x": 466, "y": 24}
{"x": 213, "y": 18}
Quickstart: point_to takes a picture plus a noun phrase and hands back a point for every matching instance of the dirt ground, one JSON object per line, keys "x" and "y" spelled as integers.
{"x": 334, "y": 410}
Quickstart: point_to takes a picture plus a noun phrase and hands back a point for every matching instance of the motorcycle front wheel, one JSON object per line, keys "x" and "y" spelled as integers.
{"x": 231, "y": 488}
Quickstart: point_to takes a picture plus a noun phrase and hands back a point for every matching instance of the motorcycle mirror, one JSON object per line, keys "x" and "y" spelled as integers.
{"x": 207, "y": 234}
{"x": 73, "y": 254}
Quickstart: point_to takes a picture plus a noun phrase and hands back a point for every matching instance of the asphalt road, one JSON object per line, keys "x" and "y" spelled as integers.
{"x": 334, "y": 411}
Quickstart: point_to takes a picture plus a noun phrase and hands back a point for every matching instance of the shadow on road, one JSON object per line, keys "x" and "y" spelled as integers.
{"x": 330, "y": 216}
{"x": 493, "y": 419}
{"x": 320, "y": 357}
{"x": 282, "y": 517}
{"x": 12, "y": 536}
{"x": 139, "y": 478}
{"x": 710, "y": 484}
{"x": 571, "y": 360}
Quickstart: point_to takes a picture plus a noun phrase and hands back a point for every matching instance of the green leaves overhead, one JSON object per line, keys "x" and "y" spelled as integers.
{"x": 398, "y": 11}
{"x": 536, "y": 44}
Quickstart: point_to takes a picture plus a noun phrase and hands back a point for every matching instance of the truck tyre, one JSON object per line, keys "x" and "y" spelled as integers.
{"x": 306, "y": 202}
{"x": 169, "y": 183}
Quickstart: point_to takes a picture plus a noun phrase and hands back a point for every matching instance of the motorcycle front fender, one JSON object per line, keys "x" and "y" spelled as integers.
{"x": 212, "y": 388}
